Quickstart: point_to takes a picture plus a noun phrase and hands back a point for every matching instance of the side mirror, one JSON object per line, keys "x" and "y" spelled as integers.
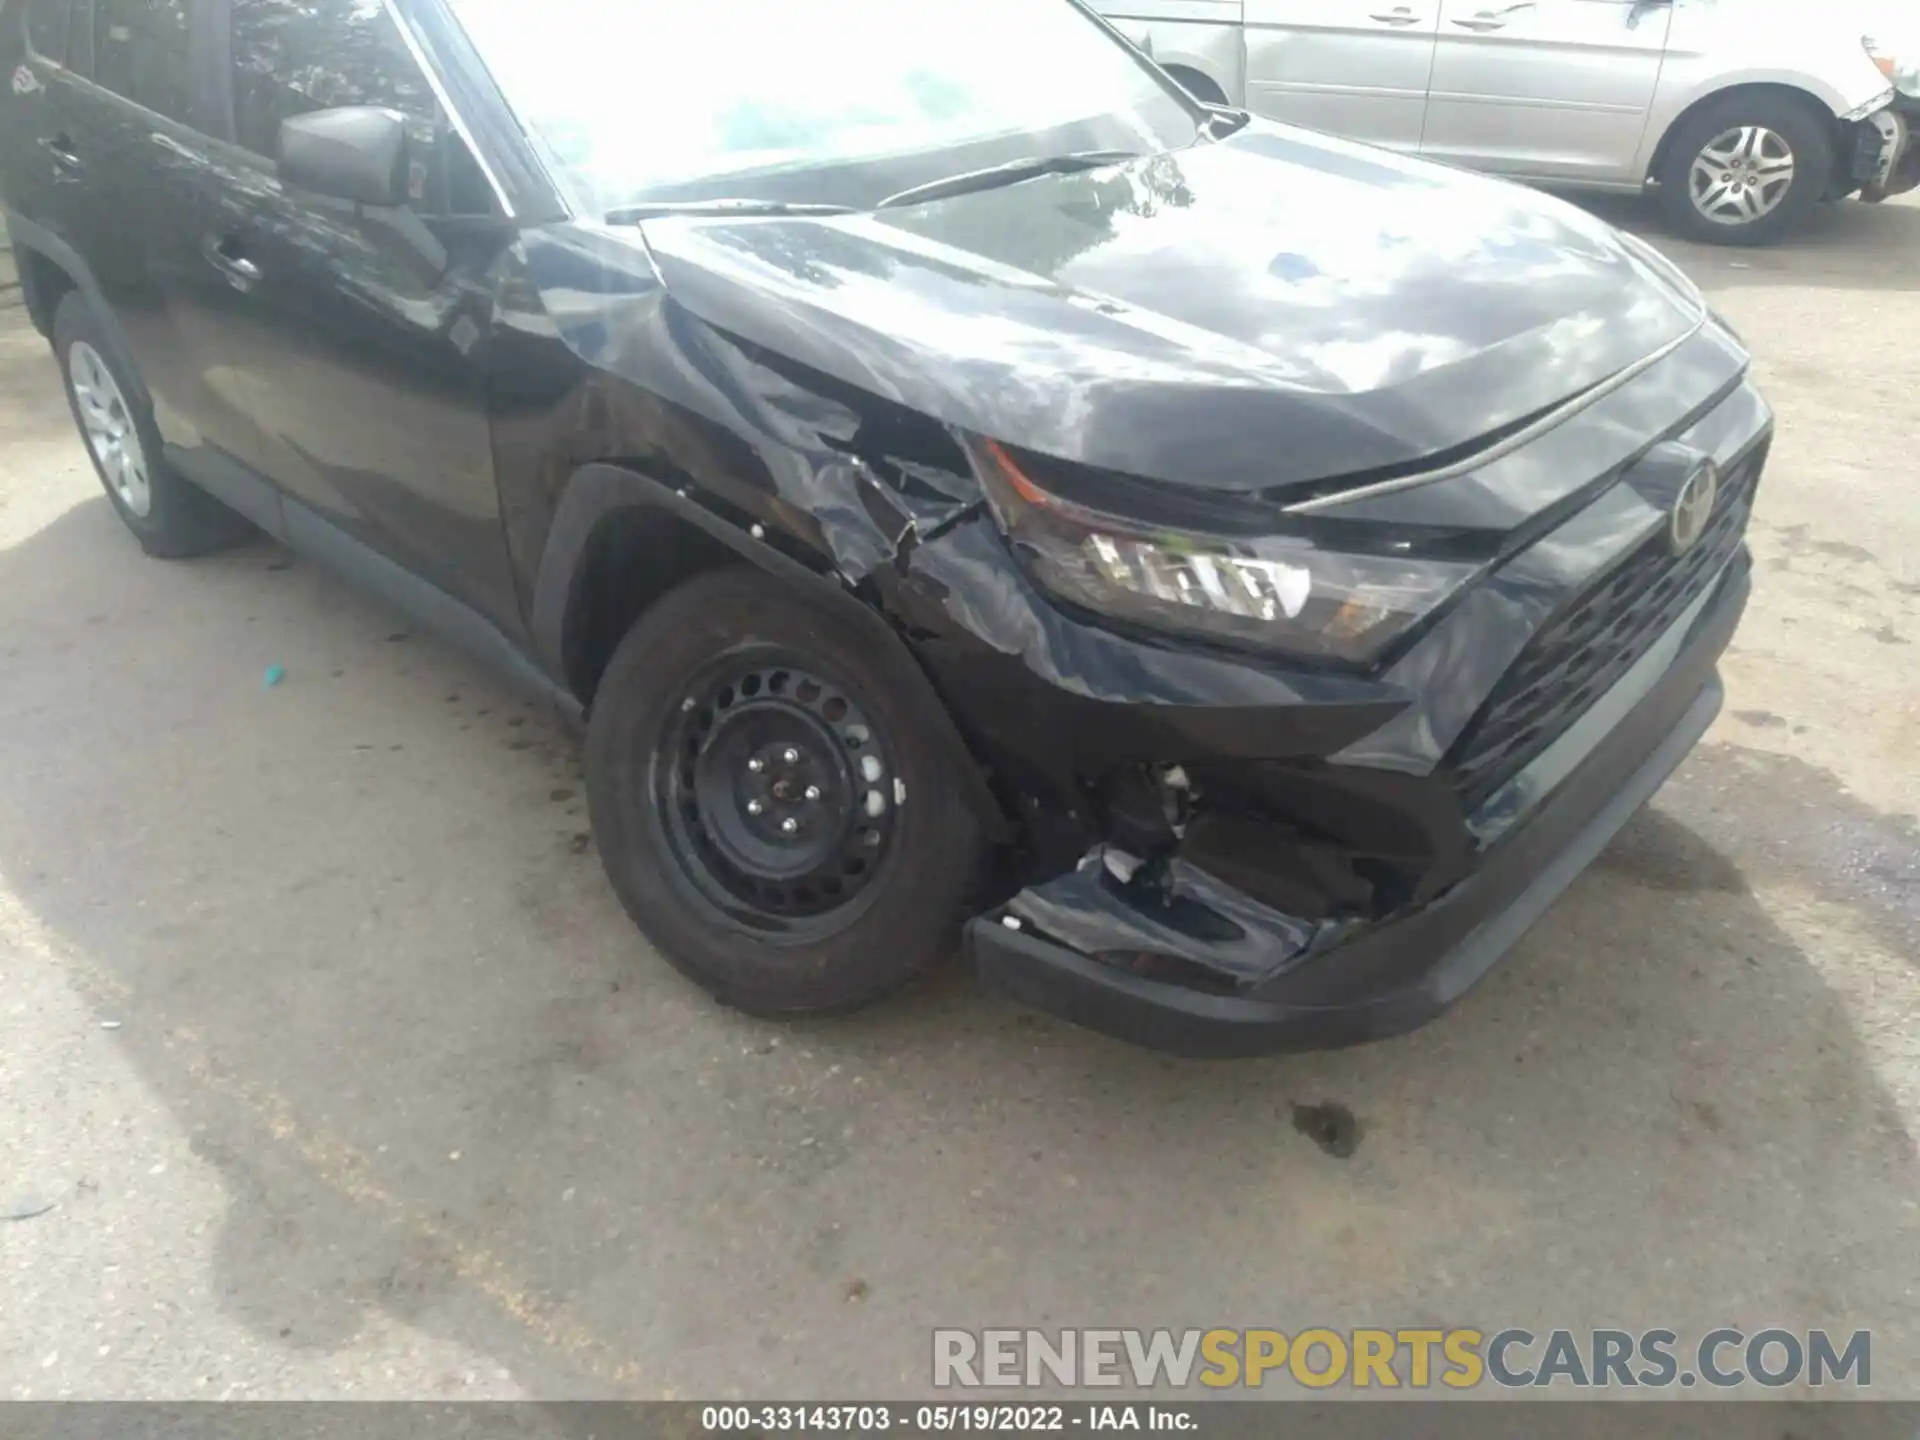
{"x": 357, "y": 153}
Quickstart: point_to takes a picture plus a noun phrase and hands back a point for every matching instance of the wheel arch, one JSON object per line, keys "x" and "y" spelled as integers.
{"x": 1791, "y": 90}
{"x": 621, "y": 540}
{"x": 1196, "y": 81}
{"x": 50, "y": 270}
{"x": 43, "y": 285}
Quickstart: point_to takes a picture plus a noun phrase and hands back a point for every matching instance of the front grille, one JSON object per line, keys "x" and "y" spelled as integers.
{"x": 1578, "y": 656}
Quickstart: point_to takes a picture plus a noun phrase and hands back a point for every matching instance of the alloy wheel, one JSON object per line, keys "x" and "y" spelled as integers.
{"x": 108, "y": 425}
{"x": 1741, "y": 175}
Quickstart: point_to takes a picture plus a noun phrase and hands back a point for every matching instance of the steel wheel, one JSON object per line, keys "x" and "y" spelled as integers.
{"x": 111, "y": 433}
{"x": 776, "y": 798}
{"x": 1742, "y": 175}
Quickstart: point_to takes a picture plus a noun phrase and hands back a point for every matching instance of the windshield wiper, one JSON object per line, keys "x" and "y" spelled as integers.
{"x": 1011, "y": 173}
{"x": 726, "y": 205}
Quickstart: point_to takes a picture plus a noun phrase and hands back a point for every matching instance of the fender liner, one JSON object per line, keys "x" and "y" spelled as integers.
{"x": 31, "y": 235}
{"x": 600, "y": 490}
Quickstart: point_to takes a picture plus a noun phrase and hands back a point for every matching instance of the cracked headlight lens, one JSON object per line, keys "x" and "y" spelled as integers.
{"x": 1276, "y": 592}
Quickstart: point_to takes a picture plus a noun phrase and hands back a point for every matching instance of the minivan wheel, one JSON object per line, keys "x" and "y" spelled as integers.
{"x": 1746, "y": 171}
{"x": 1197, "y": 85}
{"x": 169, "y": 516}
{"x": 771, "y": 802}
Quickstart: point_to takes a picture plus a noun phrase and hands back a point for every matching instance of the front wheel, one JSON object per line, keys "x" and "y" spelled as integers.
{"x": 773, "y": 802}
{"x": 1747, "y": 170}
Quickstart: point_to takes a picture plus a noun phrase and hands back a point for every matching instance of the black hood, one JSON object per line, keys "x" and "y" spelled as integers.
{"x": 1260, "y": 313}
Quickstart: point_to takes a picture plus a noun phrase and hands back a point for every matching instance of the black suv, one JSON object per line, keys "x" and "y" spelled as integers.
{"x": 1239, "y": 576}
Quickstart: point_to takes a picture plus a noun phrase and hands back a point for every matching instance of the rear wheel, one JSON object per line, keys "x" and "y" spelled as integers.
{"x": 771, "y": 801}
{"x": 1746, "y": 170}
{"x": 169, "y": 516}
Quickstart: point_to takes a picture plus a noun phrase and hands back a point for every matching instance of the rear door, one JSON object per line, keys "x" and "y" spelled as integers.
{"x": 43, "y": 53}
{"x": 1357, "y": 68}
{"x": 1551, "y": 89}
{"x": 123, "y": 140}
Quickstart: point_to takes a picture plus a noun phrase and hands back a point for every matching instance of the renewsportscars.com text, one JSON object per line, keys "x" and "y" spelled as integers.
{"x": 1418, "y": 1359}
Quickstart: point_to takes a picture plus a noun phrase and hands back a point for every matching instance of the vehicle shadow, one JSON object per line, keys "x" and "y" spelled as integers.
{"x": 371, "y": 968}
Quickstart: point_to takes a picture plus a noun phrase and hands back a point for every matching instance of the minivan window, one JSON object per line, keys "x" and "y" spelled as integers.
{"x": 746, "y": 97}
{"x": 47, "y": 25}
{"x": 141, "y": 52}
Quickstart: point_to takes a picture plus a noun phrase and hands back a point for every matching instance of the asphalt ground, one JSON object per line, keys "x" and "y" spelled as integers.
{"x": 344, "y": 1076}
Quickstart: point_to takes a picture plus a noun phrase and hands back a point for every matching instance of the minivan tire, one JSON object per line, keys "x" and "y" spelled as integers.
{"x": 170, "y": 516}
{"x": 651, "y": 727}
{"x": 1809, "y": 136}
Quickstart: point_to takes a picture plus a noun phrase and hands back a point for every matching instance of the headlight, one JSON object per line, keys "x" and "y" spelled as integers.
{"x": 1273, "y": 591}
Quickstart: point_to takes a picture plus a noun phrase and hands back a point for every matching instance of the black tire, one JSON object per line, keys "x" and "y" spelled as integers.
{"x": 180, "y": 519}
{"x": 653, "y": 740}
{"x": 1808, "y": 134}
{"x": 1197, "y": 85}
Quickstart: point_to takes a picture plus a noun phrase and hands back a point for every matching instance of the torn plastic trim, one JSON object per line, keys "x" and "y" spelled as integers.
{"x": 1207, "y": 934}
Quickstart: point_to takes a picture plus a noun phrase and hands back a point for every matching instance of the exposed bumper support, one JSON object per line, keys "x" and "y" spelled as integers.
{"x": 1895, "y": 168}
{"x": 1401, "y": 973}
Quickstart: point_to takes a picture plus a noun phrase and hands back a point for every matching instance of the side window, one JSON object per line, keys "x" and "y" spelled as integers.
{"x": 291, "y": 57}
{"x": 141, "y": 51}
{"x": 295, "y": 56}
{"x": 47, "y": 23}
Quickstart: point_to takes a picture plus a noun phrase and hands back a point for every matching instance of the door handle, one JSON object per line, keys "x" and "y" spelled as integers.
{"x": 223, "y": 253}
{"x": 1400, "y": 15}
{"x": 66, "y": 160}
{"x": 1492, "y": 19}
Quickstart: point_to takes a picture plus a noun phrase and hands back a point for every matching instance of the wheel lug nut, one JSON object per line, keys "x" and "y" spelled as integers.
{"x": 754, "y": 807}
{"x": 791, "y": 756}
{"x": 756, "y": 765}
{"x": 813, "y": 792}
{"x": 789, "y": 826}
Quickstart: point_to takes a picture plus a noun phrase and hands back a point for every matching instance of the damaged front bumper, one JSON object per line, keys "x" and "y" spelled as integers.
{"x": 1887, "y": 161}
{"x": 1094, "y": 948}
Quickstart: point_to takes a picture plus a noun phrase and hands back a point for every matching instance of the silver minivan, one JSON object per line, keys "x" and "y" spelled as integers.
{"x": 1744, "y": 114}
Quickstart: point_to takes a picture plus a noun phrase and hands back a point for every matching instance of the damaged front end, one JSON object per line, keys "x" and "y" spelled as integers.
{"x": 1226, "y": 849}
{"x": 1292, "y": 696}
{"x": 1886, "y": 157}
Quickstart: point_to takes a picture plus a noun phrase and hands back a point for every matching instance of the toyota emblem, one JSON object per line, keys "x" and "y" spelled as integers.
{"x": 1693, "y": 508}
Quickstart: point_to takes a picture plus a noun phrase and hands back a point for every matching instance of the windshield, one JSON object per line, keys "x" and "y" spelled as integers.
{"x": 811, "y": 100}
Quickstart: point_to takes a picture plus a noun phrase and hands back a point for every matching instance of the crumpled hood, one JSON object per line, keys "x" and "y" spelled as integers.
{"x": 1264, "y": 312}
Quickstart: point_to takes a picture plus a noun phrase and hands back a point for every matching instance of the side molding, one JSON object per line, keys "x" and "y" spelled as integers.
{"x": 466, "y": 627}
